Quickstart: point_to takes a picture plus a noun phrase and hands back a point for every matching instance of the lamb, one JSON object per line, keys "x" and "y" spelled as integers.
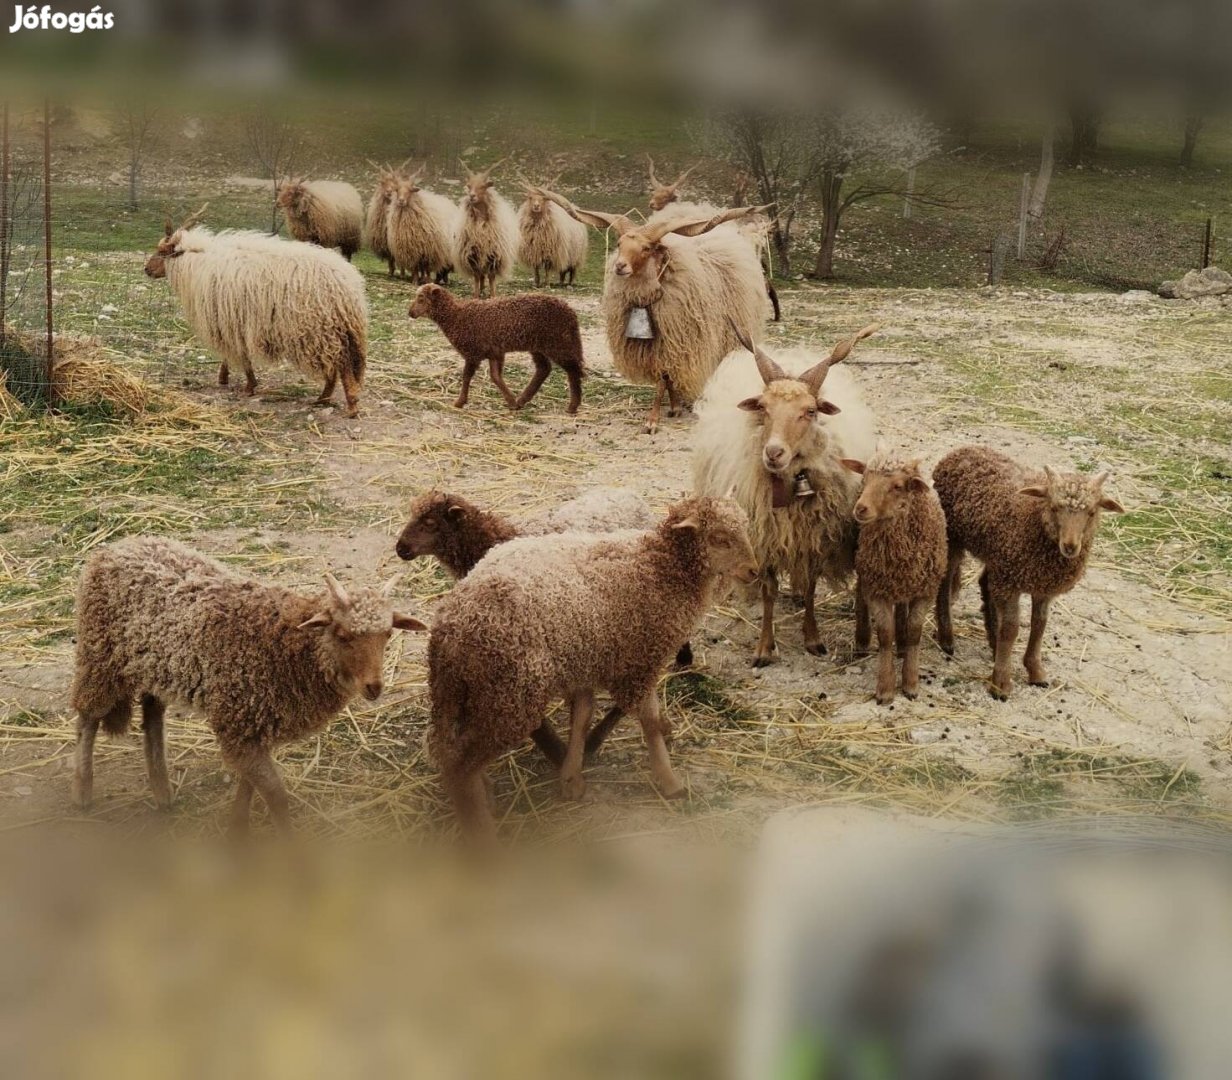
{"x": 1033, "y": 532}
{"x": 486, "y": 241}
{"x": 375, "y": 229}
{"x": 781, "y": 460}
{"x": 565, "y": 616}
{"x": 551, "y": 240}
{"x": 251, "y": 296}
{"x": 329, "y": 213}
{"x": 900, "y": 562}
{"x": 669, "y": 286}
{"x": 420, "y": 228}
{"x": 159, "y": 621}
{"x": 543, "y": 326}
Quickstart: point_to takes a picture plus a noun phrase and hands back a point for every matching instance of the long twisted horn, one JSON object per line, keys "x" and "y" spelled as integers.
{"x": 192, "y": 219}
{"x": 816, "y": 375}
{"x": 766, "y": 366}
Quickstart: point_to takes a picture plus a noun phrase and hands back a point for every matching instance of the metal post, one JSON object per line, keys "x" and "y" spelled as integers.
{"x": 1022, "y": 215}
{"x": 910, "y": 192}
{"x": 51, "y": 394}
{"x": 4, "y": 220}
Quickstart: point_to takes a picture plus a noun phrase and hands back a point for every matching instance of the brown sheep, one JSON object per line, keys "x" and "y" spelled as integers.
{"x": 159, "y": 621}
{"x": 1032, "y": 530}
{"x": 547, "y": 617}
{"x": 543, "y": 326}
{"x": 900, "y": 563}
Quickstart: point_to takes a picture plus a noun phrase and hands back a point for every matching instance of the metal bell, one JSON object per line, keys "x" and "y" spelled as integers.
{"x": 802, "y": 486}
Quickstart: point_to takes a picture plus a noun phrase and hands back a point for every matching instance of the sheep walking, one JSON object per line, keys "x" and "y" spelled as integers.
{"x": 328, "y": 213}
{"x": 420, "y": 230}
{"x": 376, "y": 231}
{"x": 255, "y": 297}
{"x": 550, "y": 240}
{"x": 1033, "y": 532}
{"x": 768, "y": 434}
{"x": 265, "y": 665}
{"x": 900, "y": 563}
{"x": 486, "y": 240}
{"x": 671, "y": 291}
{"x": 565, "y": 616}
{"x": 543, "y": 326}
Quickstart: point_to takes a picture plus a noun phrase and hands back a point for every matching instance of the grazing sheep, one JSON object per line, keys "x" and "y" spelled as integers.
{"x": 486, "y": 241}
{"x": 265, "y": 665}
{"x": 251, "y": 296}
{"x": 328, "y": 213}
{"x": 900, "y": 562}
{"x": 551, "y": 240}
{"x": 662, "y": 194}
{"x": 558, "y": 616}
{"x": 420, "y": 231}
{"x": 1033, "y": 532}
{"x": 375, "y": 230}
{"x": 543, "y": 326}
{"x": 670, "y": 293}
{"x": 766, "y": 432}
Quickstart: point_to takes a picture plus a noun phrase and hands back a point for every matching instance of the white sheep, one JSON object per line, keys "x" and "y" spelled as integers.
{"x": 768, "y": 433}
{"x": 421, "y": 227}
{"x": 486, "y": 240}
{"x": 329, "y": 213}
{"x": 550, "y": 239}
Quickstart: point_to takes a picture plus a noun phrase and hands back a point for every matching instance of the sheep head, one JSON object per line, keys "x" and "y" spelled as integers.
{"x": 1070, "y": 504}
{"x": 292, "y": 195}
{"x": 427, "y": 299}
{"x": 171, "y": 245}
{"x": 477, "y": 201}
{"x": 720, "y": 529}
{"x": 405, "y": 188}
{"x": 355, "y": 627}
{"x": 662, "y": 194}
{"x": 888, "y": 487}
{"x": 434, "y": 517}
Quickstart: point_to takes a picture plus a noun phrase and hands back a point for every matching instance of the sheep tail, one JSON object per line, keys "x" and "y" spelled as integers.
{"x": 118, "y": 720}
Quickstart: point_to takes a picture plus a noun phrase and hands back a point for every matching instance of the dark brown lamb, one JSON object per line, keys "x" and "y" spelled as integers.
{"x": 543, "y": 326}
{"x": 900, "y": 562}
{"x": 1032, "y": 530}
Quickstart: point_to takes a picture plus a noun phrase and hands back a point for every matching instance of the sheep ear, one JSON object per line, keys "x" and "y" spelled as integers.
{"x": 1034, "y": 491}
{"x": 321, "y": 618}
{"x": 917, "y": 483}
{"x": 337, "y": 591}
{"x": 454, "y": 509}
{"x": 827, "y": 407}
{"x": 405, "y": 622}
{"x": 750, "y": 404}
{"x": 852, "y": 465}
{"x": 1111, "y": 505}
{"x": 687, "y": 523}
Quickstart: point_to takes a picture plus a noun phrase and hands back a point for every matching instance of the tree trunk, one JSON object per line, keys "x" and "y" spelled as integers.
{"x": 831, "y": 211}
{"x": 1193, "y": 125}
{"x": 781, "y": 242}
{"x": 134, "y": 174}
{"x": 1084, "y": 136}
{"x": 1039, "y": 192}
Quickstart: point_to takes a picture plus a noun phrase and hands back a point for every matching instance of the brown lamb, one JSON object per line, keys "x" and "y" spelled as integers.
{"x": 543, "y": 326}
{"x": 565, "y": 616}
{"x": 266, "y": 666}
{"x": 900, "y": 563}
{"x": 1033, "y": 532}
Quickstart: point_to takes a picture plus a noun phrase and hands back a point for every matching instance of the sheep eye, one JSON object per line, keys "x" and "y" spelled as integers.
{"x": 810, "y": 413}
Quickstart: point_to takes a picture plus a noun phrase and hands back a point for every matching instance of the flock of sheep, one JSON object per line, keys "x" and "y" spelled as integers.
{"x": 601, "y": 594}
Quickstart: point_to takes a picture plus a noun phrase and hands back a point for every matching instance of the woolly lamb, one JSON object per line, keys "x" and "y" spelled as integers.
{"x": 251, "y": 296}
{"x": 1033, "y": 532}
{"x": 900, "y": 562}
{"x": 486, "y": 241}
{"x": 766, "y": 433}
{"x": 329, "y": 213}
{"x": 375, "y": 229}
{"x": 550, "y": 240}
{"x": 558, "y": 616}
{"x": 420, "y": 231}
{"x": 543, "y": 326}
{"x": 265, "y": 665}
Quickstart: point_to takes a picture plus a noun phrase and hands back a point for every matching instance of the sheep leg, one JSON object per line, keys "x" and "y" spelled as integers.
{"x": 812, "y": 636}
{"x": 765, "y": 644}
{"x": 863, "y": 627}
{"x": 350, "y": 390}
{"x": 328, "y": 391}
{"x": 469, "y": 794}
{"x": 496, "y": 372}
{"x": 1035, "y": 640}
{"x": 582, "y": 711}
{"x": 152, "y": 713}
{"x": 469, "y": 367}
{"x": 543, "y": 368}
{"x": 653, "y": 730}
{"x": 602, "y": 730}
{"x": 491, "y": 285}
{"x": 652, "y": 424}
{"x": 916, "y": 612}
{"x": 250, "y": 379}
{"x": 882, "y": 614}
{"x": 774, "y": 301}
{"x": 900, "y": 630}
{"x": 477, "y": 285}
{"x": 549, "y": 744}
{"x": 989, "y": 612}
{"x": 674, "y": 407}
{"x": 1005, "y": 609}
{"x": 391, "y": 267}
{"x": 83, "y": 766}
{"x": 536, "y": 277}
{"x": 241, "y": 808}
{"x": 224, "y": 374}
{"x": 262, "y": 773}
{"x": 945, "y": 599}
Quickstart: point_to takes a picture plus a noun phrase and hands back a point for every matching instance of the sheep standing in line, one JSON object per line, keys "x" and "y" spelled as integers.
{"x": 1033, "y": 532}
{"x": 251, "y": 296}
{"x": 375, "y": 230}
{"x": 564, "y": 616}
{"x": 486, "y": 240}
{"x": 543, "y": 326}
{"x": 266, "y": 666}
{"x": 670, "y": 294}
{"x": 900, "y": 563}
{"x": 420, "y": 229}
{"x": 767, "y": 433}
{"x": 551, "y": 240}
{"x": 328, "y": 213}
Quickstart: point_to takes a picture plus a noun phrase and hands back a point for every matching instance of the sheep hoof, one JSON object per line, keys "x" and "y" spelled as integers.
{"x": 460, "y": 403}
{"x": 677, "y": 792}
{"x": 948, "y": 649}
{"x": 818, "y": 648}
{"x": 911, "y": 694}
{"x": 763, "y": 661}
{"x": 1038, "y": 680}
{"x": 999, "y": 693}
{"x": 885, "y": 699}
{"x": 652, "y": 429}
{"x": 572, "y": 788}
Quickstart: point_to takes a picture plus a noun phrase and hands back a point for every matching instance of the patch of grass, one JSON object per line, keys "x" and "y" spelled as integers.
{"x": 1041, "y": 781}
{"x": 699, "y": 692}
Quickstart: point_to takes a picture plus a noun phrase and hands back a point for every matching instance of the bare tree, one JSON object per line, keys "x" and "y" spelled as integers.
{"x": 138, "y": 131}
{"x": 275, "y": 147}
